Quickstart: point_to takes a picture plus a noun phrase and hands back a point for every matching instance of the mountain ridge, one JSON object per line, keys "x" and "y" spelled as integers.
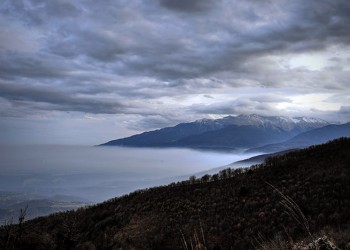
{"x": 308, "y": 138}
{"x": 178, "y": 135}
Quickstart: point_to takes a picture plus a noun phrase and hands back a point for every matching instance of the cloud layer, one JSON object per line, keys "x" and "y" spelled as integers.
{"x": 163, "y": 61}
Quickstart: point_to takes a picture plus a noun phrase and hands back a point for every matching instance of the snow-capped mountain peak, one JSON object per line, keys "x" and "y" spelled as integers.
{"x": 297, "y": 124}
{"x": 230, "y": 131}
{"x": 308, "y": 120}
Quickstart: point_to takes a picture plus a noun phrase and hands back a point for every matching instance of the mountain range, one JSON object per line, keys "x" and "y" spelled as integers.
{"x": 248, "y": 132}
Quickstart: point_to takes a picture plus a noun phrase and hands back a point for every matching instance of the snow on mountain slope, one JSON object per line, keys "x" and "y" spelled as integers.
{"x": 297, "y": 124}
{"x": 170, "y": 136}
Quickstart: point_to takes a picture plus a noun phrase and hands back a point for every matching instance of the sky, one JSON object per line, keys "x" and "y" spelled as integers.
{"x": 86, "y": 72}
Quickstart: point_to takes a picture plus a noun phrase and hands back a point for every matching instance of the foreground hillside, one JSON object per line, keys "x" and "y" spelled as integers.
{"x": 234, "y": 209}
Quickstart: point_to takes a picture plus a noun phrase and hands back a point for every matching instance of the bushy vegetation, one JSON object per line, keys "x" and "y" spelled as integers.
{"x": 234, "y": 209}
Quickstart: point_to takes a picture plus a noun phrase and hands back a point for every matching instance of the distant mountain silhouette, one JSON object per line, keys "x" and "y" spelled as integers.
{"x": 234, "y": 137}
{"x": 230, "y": 132}
{"x": 303, "y": 140}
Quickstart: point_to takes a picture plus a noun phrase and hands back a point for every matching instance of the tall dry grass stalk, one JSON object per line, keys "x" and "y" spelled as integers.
{"x": 293, "y": 209}
{"x": 196, "y": 242}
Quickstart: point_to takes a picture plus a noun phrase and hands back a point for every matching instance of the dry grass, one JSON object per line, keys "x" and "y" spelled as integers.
{"x": 312, "y": 242}
{"x": 196, "y": 241}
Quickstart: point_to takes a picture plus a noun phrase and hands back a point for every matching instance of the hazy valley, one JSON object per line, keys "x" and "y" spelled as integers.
{"x": 220, "y": 193}
{"x": 242, "y": 208}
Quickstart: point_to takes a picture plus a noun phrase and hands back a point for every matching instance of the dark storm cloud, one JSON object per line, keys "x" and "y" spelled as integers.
{"x": 188, "y": 6}
{"x": 37, "y": 12}
{"x": 15, "y": 65}
{"x": 168, "y": 47}
{"x": 145, "y": 50}
{"x": 98, "y": 45}
{"x": 53, "y": 99}
{"x": 313, "y": 25}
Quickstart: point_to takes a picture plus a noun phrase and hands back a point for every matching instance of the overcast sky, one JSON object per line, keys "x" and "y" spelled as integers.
{"x": 87, "y": 71}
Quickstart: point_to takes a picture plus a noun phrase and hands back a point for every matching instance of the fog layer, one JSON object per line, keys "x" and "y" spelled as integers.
{"x": 99, "y": 173}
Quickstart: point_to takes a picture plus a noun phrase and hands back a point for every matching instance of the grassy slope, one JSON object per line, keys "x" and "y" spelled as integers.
{"x": 232, "y": 212}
